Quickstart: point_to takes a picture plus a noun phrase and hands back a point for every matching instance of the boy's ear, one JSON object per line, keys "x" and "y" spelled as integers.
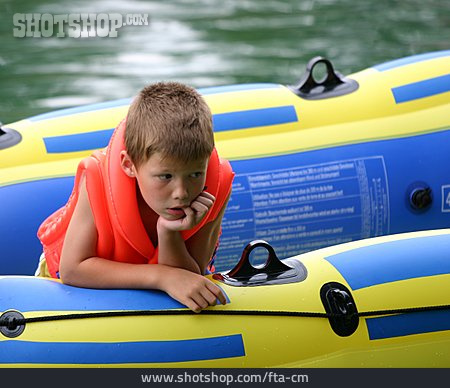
{"x": 127, "y": 165}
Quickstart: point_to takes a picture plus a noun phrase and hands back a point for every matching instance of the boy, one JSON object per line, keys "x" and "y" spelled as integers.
{"x": 156, "y": 196}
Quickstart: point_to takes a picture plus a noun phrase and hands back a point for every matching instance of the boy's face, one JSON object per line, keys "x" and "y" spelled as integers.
{"x": 168, "y": 186}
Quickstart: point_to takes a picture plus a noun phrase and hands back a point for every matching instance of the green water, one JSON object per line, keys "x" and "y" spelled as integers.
{"x": 205, "y": 43}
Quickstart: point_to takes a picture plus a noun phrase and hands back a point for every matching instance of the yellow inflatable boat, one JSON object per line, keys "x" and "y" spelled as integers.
{"x": 380, "y": 302}
{"x": 317, "y": 164}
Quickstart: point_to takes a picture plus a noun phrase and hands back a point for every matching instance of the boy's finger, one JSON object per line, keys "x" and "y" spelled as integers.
{"x": 200, "y": 301}
{"x": 199, "y": 207}
{"x": 207, "y": 195}
{"x": 218, "y": 293}
{"x": 209, "y": 296}
{"x": 189, "y": 212}
{"x": 204, "y": 201}
{"x": 222, "y": 298}
{"x": 193, "y": 306}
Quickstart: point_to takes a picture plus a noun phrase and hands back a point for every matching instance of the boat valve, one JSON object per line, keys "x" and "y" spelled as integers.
{"x": 420, "y": 198}
{"x": 339, "y": 303}
{"x": 9, "y": 326}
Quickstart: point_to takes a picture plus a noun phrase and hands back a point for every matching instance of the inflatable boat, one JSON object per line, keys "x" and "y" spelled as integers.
{"x": 318, "y": 163}
{"x": 379, "y": 302}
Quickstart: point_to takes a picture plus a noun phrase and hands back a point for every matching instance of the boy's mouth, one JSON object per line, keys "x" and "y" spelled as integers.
{"x": 176, "y": 211}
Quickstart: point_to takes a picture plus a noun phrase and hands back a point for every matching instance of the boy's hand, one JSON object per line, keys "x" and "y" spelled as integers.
{"x": 193, "y": 213}
{"x": 194, "y": 291}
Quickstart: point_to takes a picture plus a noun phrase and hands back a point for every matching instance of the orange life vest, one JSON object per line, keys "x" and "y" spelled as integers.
{"x": 112, "y": 196}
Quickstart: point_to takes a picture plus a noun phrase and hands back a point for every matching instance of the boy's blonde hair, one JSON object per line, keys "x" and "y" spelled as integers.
{"x": 169, "y": 118}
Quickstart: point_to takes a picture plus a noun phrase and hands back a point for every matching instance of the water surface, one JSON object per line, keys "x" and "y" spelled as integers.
{"x": 205, "y": 43}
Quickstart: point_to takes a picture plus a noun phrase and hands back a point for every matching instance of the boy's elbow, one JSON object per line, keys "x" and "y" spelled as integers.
{"x": 68, "y": 275}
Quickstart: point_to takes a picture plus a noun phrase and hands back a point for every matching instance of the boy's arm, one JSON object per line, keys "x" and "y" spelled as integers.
{"x": 202, "y": 244}
{"x": 172, "y": 251}
{"x": 79, "y": 266}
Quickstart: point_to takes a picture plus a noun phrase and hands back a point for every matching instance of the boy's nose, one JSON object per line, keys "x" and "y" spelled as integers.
{"x": 181, "y": 191}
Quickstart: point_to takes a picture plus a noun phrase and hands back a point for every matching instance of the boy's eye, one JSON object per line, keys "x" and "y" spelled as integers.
{"x": 165, "y": 176}
{"x": 196, "y": 174}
